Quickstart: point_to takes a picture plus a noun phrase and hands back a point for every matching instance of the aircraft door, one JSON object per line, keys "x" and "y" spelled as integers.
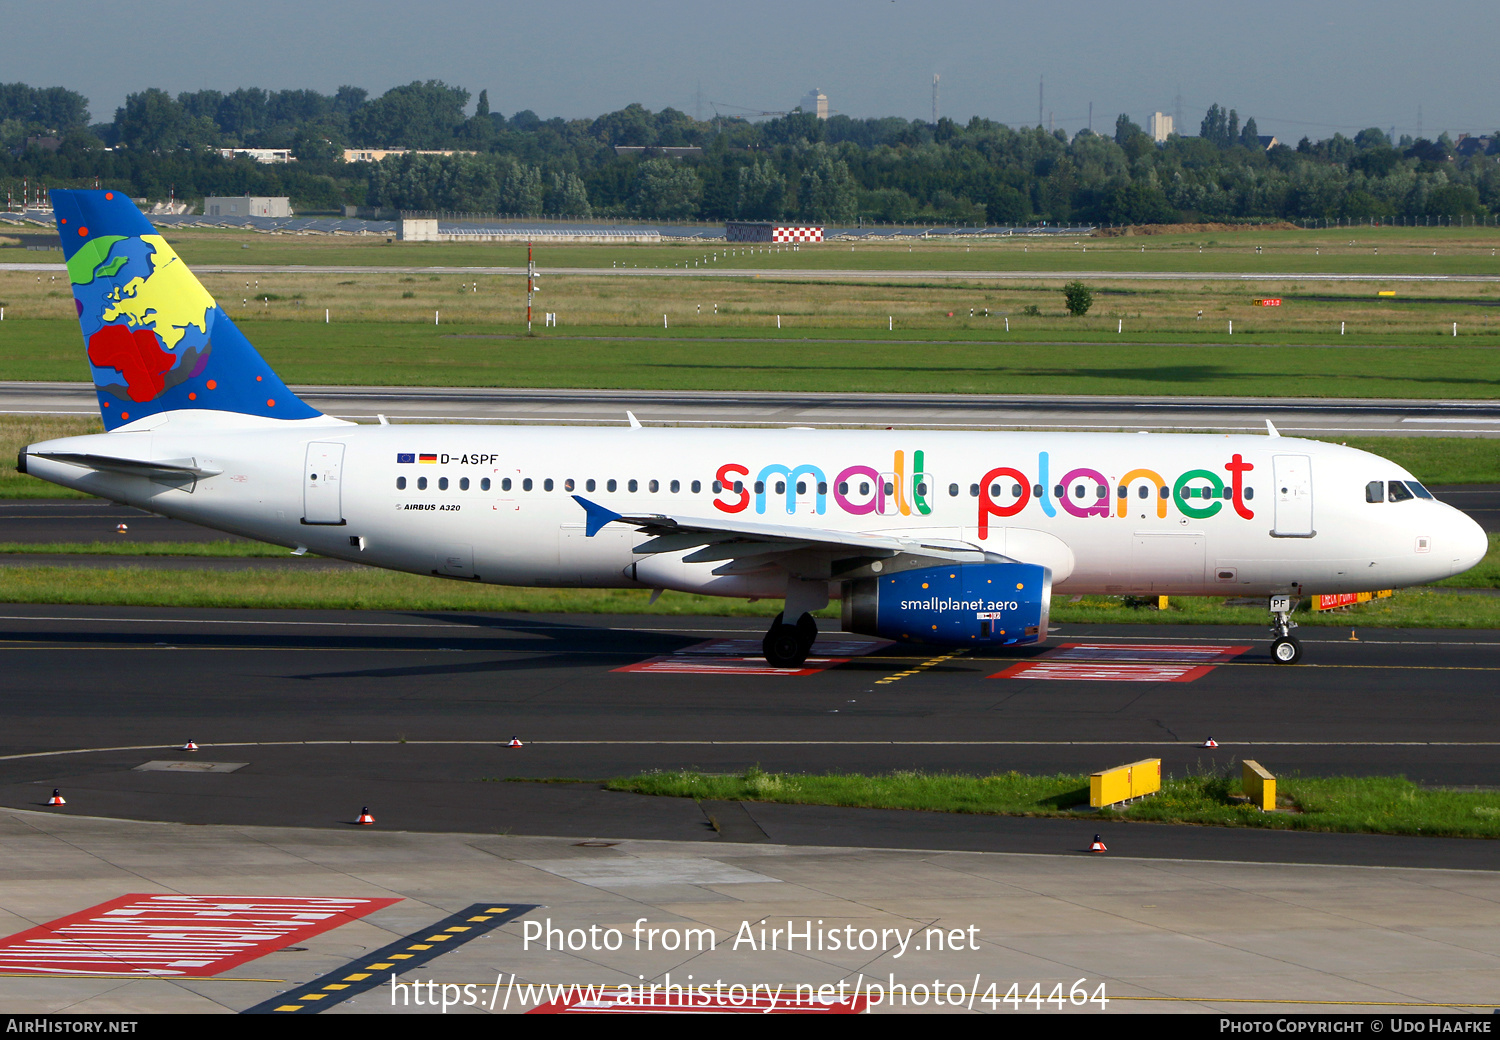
{"x": 1294, "y": 496}
{"x": 322, "y": 497}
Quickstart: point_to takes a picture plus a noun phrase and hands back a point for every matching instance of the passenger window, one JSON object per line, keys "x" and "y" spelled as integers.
{"x": 864, "y": 487}
{"x": 718, "y": 486}
{"x": 802, "y": 487}
{"x": 484, "y": 485}
{"x": 843, "y": 487}
{"x": 1249, "y": 493}
{"x": 442, "y": 483}
{"x": 526, "y": 484}
{"x": 547, "y": 484}
{"x": 994, "y": 490}
{"x": 922, "y": 489}
{"x": 1077, "y": 490}
{"x": 463, "y": 483}
{"x": 400, "y": 483}
{"x": 760, "y": 487}
{"x": 421, "y": 483}
{"x": 890, "y": 489}
{"x": 973, "y": 490}
{"x": 698, "y": 487}
{"x": 653, "y": 487}
{"x": 1059, "y": 492}
{"x": 589, "y": 484}
{"x": 822, "y": 487}
{"x": 1036, "y": 489}
{"x": 1144, "y": 492}
{"x": 633, "y": 486}
{"x": 952, "y": 490}
{"x": 1166, "y": 492}
{"x": 675, "y": 486}
{"x": 611, "y": 485}
{"x": 568, "y": 484}
{"x": 1101, "y": 492}
{"x": 1399, "y": 491}
{"x": 739, "y": 487}
{"x": 504, "y": 483}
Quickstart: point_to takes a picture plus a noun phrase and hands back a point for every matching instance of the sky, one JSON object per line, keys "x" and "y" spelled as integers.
{"x": 1298, "y": 67}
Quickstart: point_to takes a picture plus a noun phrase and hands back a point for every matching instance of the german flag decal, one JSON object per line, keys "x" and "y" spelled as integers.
{"x": 427, "y": 459}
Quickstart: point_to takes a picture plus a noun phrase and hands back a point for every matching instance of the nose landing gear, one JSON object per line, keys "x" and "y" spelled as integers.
{"x": 1285, "y": 647}
{"x": 787, "y": 646}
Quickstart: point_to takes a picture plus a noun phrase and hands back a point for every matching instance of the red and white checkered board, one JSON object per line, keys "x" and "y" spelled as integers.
{"x": 797, "y": 234}
{"x": 1111, "y": 662}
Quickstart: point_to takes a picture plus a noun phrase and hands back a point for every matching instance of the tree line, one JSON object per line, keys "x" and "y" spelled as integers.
{"x": 798, "y": 166}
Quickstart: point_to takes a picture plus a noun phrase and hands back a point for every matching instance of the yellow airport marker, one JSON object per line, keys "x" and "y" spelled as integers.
{"x": 358, "y": 977}
{"x": 291, "y": 1007}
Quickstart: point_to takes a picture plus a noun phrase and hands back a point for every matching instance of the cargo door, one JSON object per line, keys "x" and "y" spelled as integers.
{"x": 1294, "y": 496}
{"x": 454, "y": 561}
{"x": 322, "y": 497}
{"x": 1162, "y": 561}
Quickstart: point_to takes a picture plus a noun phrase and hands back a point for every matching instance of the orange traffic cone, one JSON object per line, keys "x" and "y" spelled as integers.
{"x": 1352, "y": 637}
{"x": 57, "y": 798}
{"x": 190, "y": 746}
{"x": 365, "y": 817}
{"x": 121, "y": 528}
{"x": 1210, "y": 742}
{"x": 1098, "y": 845}
{"x": 515, "y": 742}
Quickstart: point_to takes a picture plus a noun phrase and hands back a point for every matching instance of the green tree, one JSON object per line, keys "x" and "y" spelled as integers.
{"x": 665, "y": 189}
{"x": 151, "y": 121}
{"x": 566, "y": 196}
{"x": 1125, "y": 129}
{"x": 761, "y": 190}
{"x": 1079, "y": 298}
{"x": 827, "y": 192}
{"x": 418, "y": 115}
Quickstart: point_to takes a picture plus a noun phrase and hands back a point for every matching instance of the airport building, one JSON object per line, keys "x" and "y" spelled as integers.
{"x": 260, "y": 155}
{"x": 247, "y": 206}
{"x": 769, "y": 231}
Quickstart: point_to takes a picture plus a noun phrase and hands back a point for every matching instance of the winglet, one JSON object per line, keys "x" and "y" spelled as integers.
{"x": 635, "y": 424}
{"x": 1271, "y": 430}
{"x": 597, "y": 515}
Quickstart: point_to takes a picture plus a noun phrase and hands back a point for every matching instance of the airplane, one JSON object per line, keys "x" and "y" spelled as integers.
{"x": 940, "y": 538}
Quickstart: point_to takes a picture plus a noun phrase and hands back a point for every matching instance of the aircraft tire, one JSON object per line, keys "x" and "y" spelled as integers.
{"x": 1286, "y": 650}
{"x": 783, "y": 647}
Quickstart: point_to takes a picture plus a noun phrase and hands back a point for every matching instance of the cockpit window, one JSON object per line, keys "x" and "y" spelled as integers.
{"x": 1375, "y": 491}
{"x": 1399, "y": 491}
{"x": 1418, "y": 489}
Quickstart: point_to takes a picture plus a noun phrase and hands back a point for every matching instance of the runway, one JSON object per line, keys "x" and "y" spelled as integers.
{"x": 410, "y": 712}
{"x": 1315, "y": 417}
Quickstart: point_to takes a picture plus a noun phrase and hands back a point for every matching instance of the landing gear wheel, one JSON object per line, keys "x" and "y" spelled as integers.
{"x": 783, "y": 646}
{"x": 1286, "y": 650}
{"x": 807, "y": 632}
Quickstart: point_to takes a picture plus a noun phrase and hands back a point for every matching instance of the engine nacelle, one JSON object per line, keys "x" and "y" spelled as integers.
{"x": 966, "y": 604}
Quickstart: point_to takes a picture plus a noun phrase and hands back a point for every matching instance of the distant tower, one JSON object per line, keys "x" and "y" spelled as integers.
{"x": 1041, "y": 94}
{"x": 1177, "y": 107}
{"x": 934, "y": 99}
{"x": 815, "y": 103}
{"x": 1419, "y": 120}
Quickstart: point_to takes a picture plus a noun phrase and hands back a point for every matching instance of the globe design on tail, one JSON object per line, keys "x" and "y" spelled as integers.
{"x": 156, "y": 340}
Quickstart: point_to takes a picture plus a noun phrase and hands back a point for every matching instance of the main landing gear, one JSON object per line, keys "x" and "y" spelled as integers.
{"x": 1285, "y": 647}
{"x": 787, "y": 646}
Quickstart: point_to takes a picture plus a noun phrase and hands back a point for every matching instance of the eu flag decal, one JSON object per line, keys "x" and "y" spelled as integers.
{"x": 405, "y": 456}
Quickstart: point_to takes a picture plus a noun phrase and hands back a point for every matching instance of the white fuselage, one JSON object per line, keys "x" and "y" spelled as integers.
{"x": 1286, "y": 515}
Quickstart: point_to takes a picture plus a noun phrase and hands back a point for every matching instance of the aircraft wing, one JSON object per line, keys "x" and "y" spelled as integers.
{"x": 752, "y": 544}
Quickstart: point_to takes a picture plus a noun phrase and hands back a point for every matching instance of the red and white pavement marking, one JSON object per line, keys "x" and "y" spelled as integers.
{"x": 174, "y": 935}
{"x": 1115, "y": 662}
{"x": 660, "y": 1004}
{"x": 744, "y": 657}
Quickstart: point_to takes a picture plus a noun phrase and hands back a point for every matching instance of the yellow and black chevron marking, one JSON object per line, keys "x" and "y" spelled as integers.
{"x": 403, "y": 955}
{"x": 917, "y": 669}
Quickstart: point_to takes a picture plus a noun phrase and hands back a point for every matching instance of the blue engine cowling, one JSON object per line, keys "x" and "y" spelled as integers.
{"x": 967, "y": 604}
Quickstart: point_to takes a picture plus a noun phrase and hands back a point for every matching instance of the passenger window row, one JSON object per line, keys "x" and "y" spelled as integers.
{"x": 527, "y": 484}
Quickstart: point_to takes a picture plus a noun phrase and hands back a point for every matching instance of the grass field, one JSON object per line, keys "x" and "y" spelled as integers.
{"x": 370, "y": 589}
{"x": 410, "y": 354}
{"x": 1370, "y": 805}
{"x": 1433, "y": 251}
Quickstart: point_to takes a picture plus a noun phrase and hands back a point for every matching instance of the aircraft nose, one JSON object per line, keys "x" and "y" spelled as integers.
{"x": 1467, "y": 542}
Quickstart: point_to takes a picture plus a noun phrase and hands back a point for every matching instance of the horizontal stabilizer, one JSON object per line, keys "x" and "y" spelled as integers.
{"x": 133, "y": 467}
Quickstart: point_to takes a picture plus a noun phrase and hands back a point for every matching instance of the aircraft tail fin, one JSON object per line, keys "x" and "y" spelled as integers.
{"x": 156, "y": 340}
